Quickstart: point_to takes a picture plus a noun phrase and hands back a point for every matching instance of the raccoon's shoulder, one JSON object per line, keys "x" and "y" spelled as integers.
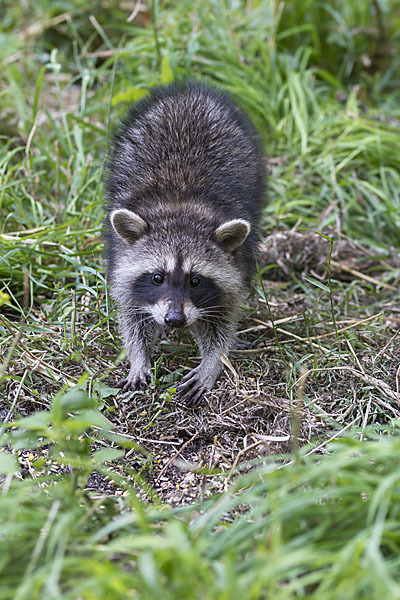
{"x": 187, "y": 139}
{"x": 178, "y": 98}
{"x": 185, "y": 112}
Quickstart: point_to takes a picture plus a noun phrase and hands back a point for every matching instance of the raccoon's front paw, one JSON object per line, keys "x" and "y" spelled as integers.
{"x": 135, "y": 382}
{"x": 194, "y": 385}
{"x": 191, "y": 388}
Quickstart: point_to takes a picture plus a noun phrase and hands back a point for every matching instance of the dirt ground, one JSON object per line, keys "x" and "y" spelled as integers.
{"x": 292, "y": 386}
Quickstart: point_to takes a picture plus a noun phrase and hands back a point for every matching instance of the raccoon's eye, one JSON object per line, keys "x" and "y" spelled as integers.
{"x": 158, "y": 278}
{"x": 195, "y": 281}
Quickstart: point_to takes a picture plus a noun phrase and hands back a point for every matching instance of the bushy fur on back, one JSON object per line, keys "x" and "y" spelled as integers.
{"x": 184, "y": 189}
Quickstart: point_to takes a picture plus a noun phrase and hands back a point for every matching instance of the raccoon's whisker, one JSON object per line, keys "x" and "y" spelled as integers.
{"x": 217, "y": 312}
{"x": 209, "y": 321}
{"x": 212, "y": 318}
{"x": 211, "y": 309}
{"x": 140, "y": 318}
{"x": 200, "y": 304}
{"x": 138, "y": 313}
{"x": 207, "y": 300}
{"x": 138, "y": 310}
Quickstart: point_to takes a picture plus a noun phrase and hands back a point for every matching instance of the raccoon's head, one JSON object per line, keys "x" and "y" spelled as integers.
{"x": 178, "y": 272}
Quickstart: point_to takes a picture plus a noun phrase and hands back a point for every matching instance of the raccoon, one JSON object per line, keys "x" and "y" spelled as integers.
{"x": 184, "y": 186}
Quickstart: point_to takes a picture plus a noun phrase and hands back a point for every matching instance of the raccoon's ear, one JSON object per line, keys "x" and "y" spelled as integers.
{"x": 128, "y": 225}
{"x": 232, "y": 234}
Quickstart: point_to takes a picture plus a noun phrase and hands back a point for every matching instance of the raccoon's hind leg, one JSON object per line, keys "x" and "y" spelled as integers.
{"x": 213, "y": 339}
{"x": 139, "y": 334}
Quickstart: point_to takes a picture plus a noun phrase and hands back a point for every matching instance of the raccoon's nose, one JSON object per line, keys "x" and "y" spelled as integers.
{"x": 175, "y": 318}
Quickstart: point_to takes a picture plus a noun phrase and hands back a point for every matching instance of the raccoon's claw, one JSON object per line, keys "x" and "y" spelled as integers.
{"x": 131, "y": 384}
{"x": 192, "y": 396}
{"x": 191, "y": 388}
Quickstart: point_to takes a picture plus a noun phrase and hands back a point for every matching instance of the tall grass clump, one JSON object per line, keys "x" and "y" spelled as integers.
{"x": 320, "y": 528}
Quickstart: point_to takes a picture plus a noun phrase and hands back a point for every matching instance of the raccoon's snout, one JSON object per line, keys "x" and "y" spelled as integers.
{"x": 175, "y": 318}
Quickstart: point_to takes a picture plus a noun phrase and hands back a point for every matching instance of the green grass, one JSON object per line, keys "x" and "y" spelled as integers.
{"x": 321, "y": 528}
{"x": 312, "y": 519}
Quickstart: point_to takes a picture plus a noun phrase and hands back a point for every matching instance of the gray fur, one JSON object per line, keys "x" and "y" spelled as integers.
{"x": 184, "y": 187}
